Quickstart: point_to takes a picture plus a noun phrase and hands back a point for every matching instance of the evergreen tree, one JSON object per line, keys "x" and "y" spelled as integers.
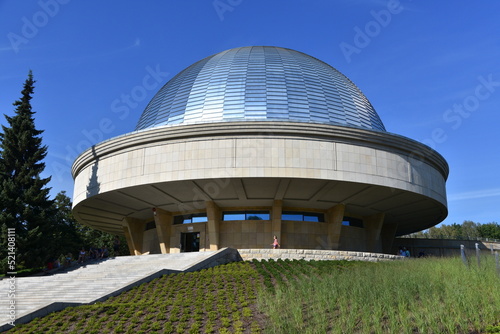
{"x": 24, "y": 195}
{"x": 64, "y": 235}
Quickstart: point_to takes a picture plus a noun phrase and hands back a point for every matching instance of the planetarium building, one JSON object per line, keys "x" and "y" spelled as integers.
{"x": 254, "y": 142}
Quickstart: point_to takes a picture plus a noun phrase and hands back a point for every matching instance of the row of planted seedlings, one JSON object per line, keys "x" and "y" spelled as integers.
{"x": 215, "y": 300}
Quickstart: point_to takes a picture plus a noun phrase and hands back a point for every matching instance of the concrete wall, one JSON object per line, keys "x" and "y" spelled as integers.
{"x": 353, "y": 238}
{"x": 246, "y": 234}
{"x": 150, "y": 242}
{"x": 441, "y": 247}
{"x": 252, "y": 234}
{"x": 313, "y": 254}
{"x": 146, "y": 157}
{"x": 305, "y": 235}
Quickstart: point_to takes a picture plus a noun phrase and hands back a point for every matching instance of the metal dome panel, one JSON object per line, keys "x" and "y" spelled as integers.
{"x": 260, "y": 83}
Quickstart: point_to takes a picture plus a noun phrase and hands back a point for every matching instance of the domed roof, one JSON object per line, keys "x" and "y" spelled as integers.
{"x": 260, "y": 83}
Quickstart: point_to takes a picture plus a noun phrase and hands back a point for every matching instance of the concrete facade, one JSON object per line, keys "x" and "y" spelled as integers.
{"x": 136, "y": 184}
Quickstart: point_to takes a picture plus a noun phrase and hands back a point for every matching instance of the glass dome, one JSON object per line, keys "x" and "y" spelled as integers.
{"x": 260, "y": 83}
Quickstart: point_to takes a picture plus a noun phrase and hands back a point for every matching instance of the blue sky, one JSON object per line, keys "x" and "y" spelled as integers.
{"x": 430, "y": 69}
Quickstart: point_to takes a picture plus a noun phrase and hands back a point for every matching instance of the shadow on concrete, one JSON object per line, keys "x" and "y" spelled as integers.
{"x": 74, "y": 266}
{"x": 93, "y": 187}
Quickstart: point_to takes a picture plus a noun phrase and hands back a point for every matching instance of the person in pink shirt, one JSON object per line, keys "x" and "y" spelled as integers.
{"x": 275, "y": 243}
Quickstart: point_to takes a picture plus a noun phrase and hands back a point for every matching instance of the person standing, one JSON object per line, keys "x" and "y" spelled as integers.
{"x": 81, "y": 256}
{"x": 407, "y": 252}
{"x": 275, "y": 243}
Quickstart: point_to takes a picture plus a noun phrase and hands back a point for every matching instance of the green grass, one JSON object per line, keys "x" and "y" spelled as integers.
{"x": 438, "y": 295}
{"x": 415, "y": 296}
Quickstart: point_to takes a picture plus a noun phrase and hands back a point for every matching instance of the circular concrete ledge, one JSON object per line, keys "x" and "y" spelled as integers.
{"x": 255, "y": 129}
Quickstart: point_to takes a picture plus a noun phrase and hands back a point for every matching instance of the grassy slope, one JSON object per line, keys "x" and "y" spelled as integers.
{"x": 418, "y": 296}
{"x": 437, "y": 295}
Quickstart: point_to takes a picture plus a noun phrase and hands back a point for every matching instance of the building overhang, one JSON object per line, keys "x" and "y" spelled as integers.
{"x": 251, "y": 164}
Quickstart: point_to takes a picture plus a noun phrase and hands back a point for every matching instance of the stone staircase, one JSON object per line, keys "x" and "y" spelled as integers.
{"x": 96, "y": 281}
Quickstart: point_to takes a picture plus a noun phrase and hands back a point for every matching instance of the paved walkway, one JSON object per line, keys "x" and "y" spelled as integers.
{"x": 91, "y": 282}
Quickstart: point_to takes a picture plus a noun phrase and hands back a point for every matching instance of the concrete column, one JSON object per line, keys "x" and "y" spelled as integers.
{"x": 373, "y": 227}
{"x": 130, "y": 244}
{"x": 334, "y": 218}
{"x": 387, "y": 236}
{"x": 213, "y": 222}
{"x": 174, "y": 240}
{"x": 163, "y": 221}
{"x": 276, "y": 219}
{"x": 134, "y": 232}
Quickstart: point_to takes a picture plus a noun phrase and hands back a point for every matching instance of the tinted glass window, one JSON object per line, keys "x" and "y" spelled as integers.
{"x": 303, "y": 216}
{"x": 191, "y": 218}
{"x": 245, "y": 215}
{"x": 351, "y": 221}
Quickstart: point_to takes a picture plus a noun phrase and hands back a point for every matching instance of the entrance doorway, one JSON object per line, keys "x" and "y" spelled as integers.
{"x": 190, "y": 242}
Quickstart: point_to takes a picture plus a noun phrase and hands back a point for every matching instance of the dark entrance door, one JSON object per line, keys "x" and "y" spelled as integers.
{"x": 190, "y": 242}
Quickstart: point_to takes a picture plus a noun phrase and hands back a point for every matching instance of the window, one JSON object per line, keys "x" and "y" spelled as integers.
{"x": 245, "y": 215}
{"x": 303, "y": 216}
{"x": 191, "y": 218}
{"x": 150, "y": 225}
{"x": 351, "y": 221}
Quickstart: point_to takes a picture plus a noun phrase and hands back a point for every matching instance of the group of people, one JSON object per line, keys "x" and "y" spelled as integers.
{"x": 403, "y": 251}
{"x": 95, "y": 253}
{"x": 63, "y": 262}
{"x": 92, "y": 254}
{"x": 54, "y": 264}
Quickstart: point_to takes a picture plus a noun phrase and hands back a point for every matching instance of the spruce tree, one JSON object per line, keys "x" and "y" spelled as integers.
{"x": 24, "y": 195}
